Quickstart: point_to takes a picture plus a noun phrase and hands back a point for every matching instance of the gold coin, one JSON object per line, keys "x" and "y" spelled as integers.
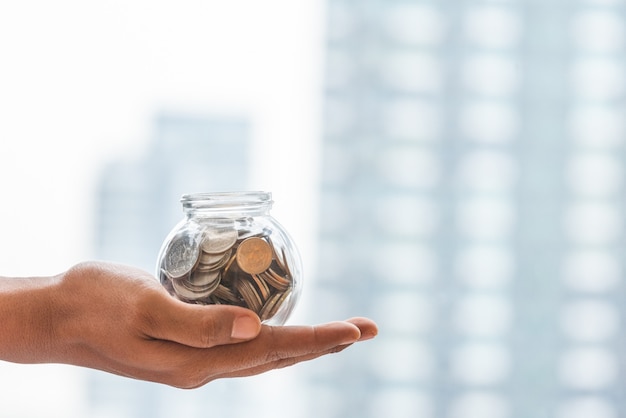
{"x": 279, "y": 261}
{"x": 276, "y": 281}
{"x": 249, "y": 295}
{"x": 262, "y": 286}
{"x": 273, "y": 304}
{"x": 229, "y": 264}
{"x": 224, "y": 293}
{"x": 276, "y": 306}
{"x": 254, "y": 255}
{"x": 269, "y": 306}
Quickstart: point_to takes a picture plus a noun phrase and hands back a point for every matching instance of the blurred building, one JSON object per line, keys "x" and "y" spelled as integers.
{"x": 137, "y": 205}
{"x": 138, "y": 201}
{"x": 472, "y": 203}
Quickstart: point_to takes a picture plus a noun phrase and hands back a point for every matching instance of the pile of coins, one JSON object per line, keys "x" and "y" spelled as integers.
{"x": 227, "y": 266}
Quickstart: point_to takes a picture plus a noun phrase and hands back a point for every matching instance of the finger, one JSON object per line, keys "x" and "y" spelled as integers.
{"x": 203, "y": 326}
{"x": 274, "y": 344}
{"x": 279, "y": 364}
{"x": 275, "y": 347}
{"x": 368, "y": 328}
{"x": 181, "y": 366}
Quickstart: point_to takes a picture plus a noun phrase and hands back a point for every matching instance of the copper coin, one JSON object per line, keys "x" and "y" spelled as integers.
{"x": 254, "y": 255}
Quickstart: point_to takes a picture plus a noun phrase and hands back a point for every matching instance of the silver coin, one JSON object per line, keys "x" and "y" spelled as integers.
{"x": 210, "y": 262}
{"x": 187, "y": 291}
{"x": 204, "y": 278}
{"x": 218, "y": 240}
{"x": 181, "y": 256}
{"x": 257, "y": 232}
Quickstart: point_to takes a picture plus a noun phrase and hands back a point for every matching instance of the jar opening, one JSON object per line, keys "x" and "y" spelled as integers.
{"x": 224, "y": 202}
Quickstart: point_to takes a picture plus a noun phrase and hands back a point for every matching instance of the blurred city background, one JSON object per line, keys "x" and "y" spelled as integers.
{"x": 452, "y": 169}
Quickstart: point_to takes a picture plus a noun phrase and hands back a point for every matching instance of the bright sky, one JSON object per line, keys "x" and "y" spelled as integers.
{"x": 79, "y": 84}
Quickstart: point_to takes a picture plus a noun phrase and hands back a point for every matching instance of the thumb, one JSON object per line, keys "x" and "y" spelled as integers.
{"x": 204, "y": 326}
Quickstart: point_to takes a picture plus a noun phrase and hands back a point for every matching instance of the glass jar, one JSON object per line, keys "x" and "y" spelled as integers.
{"x": 228, "y": 249}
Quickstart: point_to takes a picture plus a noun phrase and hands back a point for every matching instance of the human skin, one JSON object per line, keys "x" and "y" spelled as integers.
{"x": 119, "y": 319}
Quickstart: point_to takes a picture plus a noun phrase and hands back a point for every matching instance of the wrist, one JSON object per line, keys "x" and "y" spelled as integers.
{"x": 29, "y": 312}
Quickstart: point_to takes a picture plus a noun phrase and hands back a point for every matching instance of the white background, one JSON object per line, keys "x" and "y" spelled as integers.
{"x": 80, "y": 82}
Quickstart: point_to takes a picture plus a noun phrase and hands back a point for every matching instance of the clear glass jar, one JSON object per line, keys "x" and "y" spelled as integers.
{"x": 228, "y": 249}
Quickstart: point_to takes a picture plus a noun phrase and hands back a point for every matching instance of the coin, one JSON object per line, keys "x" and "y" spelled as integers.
{"x": 273, "y": 304}
{"x": 262, "y": 286}
{"x": 209, "y": 259}
{"x": 269, "y": 304}
{"x": 254, "y": 255}
{"x": 204, "y": 278}
{"x": 279, "y": 303}
{"x": 249, "y": 295}
{"x": 210, "y": 262}
{"x": 181, "y": 256}
{"x": 217, "y": 241}
{"x": 188, "y": 291}
{"x": 247, "y": 233}
{"x": 227, "y": 265}
{"x": 224, "y": 293}
{"x": 275, "y": 280}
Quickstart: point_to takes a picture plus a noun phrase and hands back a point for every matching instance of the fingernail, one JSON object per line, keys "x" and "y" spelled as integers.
{"x": 245, "y": 327}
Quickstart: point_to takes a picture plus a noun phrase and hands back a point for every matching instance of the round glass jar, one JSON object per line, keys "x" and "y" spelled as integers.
{"x": 228, "y": 249}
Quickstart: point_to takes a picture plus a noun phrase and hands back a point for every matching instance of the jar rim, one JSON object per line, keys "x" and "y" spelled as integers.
{"x": 227, "y": 201}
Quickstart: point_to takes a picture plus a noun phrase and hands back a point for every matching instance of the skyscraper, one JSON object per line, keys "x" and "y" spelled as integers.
{"x": 471, "y": 203}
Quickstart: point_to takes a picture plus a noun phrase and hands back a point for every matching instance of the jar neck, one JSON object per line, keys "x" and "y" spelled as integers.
{"x": 227, "y": 204}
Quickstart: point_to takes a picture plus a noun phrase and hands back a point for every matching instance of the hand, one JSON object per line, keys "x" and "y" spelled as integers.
{"x": 121, "y": 320}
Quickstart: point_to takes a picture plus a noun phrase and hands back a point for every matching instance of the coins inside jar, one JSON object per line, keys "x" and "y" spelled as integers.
{"x": 224, "y": 265}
